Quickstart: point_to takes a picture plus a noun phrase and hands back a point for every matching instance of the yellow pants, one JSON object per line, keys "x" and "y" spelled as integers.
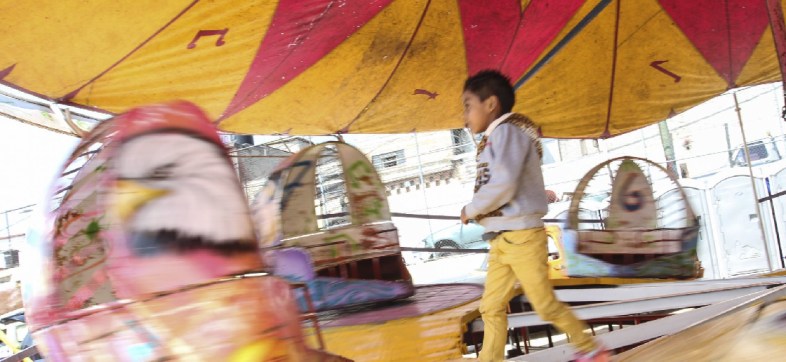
{"x": 521, "y": 255}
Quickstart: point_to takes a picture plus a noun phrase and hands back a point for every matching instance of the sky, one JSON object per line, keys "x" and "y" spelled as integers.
{"x": 30, "y": 157}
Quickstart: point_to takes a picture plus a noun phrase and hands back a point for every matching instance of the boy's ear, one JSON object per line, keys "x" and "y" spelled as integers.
{"x": 491, "y": 103}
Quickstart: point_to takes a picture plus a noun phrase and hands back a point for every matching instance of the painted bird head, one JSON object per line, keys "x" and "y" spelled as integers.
{"x": 178, "y": 201}
{"x": 177, "y": 192}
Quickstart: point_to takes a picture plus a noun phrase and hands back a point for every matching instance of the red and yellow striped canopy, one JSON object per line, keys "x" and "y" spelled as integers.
{"x": 593, "y": 68}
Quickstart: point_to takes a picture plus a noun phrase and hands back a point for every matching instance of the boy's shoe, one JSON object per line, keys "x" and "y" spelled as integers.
{"x": 600, "y": 354}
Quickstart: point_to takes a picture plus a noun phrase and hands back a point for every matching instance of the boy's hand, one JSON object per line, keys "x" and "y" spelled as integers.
{"x": 464, "y": 219}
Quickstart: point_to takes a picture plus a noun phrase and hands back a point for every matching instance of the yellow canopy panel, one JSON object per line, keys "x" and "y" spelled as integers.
{"x": 593, "y": 68}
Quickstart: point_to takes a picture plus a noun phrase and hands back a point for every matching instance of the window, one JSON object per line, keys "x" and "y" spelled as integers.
{"x": 389, "y": 159}
{"x": 551, "y": 150}
{"x": 461, "y": 141}
{"x": 589, "y": 147}
{"x": 757, "y": 151}
{"x": 760, "y": 153}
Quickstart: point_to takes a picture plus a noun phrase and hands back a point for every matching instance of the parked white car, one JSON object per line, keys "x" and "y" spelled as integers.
{"x": 457, "y": 236}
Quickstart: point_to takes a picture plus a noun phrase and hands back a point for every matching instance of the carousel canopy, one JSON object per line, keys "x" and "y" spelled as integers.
{"x": 593, "y": 68}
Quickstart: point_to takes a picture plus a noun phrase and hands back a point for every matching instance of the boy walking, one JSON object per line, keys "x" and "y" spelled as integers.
{"x": 510, "y": 201}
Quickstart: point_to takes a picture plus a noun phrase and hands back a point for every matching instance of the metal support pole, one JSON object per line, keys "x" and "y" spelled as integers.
{"x": 753, "y": 184}
{"x": 775, "y": 224}
{"x": 322, "y": 198}
{"x": 729, "y": 151}
{"x": 668, "y": 148}
{"x": 646, "y": 151}
{"x": 422, "y": 182}
{"x": 7, "y": 231}
{"x": 778, "y": 110}
{"x": 775, "y": 14}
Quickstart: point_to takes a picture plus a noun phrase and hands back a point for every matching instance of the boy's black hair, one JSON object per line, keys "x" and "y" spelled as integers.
{"x": 487, "y": 83}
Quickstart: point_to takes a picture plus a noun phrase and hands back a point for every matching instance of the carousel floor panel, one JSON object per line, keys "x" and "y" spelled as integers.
{"x": 674, "y": 338}
{"x": 756, "y": 333}
{"x": 426, "y": 327}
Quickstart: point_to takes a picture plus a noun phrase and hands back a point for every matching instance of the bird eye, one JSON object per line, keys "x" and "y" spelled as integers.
{"x": 161, "y": 172}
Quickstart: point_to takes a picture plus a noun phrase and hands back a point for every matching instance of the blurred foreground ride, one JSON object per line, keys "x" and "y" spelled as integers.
{"x": 149, "y": 247}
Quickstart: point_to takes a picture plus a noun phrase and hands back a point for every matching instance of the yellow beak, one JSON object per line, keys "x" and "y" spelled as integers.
{"x": 129, "y": 196}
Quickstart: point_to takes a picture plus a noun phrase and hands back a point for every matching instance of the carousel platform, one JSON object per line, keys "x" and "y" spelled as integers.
{"x": 753, "y": 333}
{"x": 737, "y": 319}
{"x": 428, "y": 326}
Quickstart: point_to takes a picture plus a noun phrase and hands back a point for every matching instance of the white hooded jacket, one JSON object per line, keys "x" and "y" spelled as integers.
{"x": 509, "y": 188}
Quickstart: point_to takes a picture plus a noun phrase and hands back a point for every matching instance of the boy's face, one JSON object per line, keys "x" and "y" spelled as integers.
{"x": 478, "y": 114}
